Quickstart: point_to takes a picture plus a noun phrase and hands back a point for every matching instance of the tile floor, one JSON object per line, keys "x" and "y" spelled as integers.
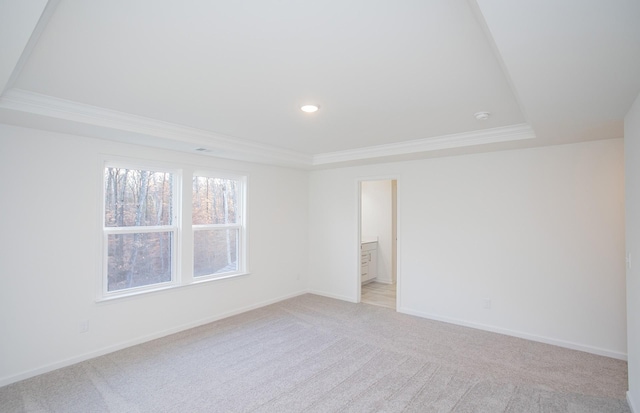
{"x": 381, "y": 294}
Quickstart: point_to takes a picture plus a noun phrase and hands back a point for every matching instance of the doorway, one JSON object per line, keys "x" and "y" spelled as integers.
{"x": 378, "y": 242}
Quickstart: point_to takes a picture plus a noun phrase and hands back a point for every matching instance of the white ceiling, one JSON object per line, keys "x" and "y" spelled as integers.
{"x": 393, "y": 78}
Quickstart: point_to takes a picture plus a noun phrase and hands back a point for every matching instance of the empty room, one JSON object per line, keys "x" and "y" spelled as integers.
{"x": 336, "y": 206}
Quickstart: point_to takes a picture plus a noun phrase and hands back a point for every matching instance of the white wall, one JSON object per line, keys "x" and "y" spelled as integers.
{"x": 18, "y": 19}
{"x": 539, "y": 232}
{"x": 632, "y": 192}
{"x": 376, "y": 221}
{"x": 49, "y": 232}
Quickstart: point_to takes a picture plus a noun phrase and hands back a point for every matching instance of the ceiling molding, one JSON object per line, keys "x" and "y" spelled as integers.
{"x": 215, "y": 144}
{"x": 224, "y": 146}
{"x": 479, "y": 137}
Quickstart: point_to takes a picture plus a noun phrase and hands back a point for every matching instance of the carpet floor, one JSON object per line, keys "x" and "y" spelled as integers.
{"x": 316, "y": 354}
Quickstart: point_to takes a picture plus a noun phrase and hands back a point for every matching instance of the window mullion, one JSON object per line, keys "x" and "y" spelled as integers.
{"x": 216, "y": 226}
{"x": 139, "y": 257}
{"x": 141, "y": 229}
{"x": 218, "y": 248}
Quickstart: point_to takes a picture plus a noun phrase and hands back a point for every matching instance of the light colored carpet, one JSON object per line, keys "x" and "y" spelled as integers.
{"x": 315, "y": 354}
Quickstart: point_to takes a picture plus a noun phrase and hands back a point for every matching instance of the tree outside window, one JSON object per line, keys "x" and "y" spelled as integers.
{"x": 217, "y": 225}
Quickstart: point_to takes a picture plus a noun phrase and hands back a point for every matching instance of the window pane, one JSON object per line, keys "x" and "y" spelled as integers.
{"x": 215, "y": 251}
{"x": 137, "y": 197}
{"x": 140, "y": 259}
{"x": 215, "y": 200}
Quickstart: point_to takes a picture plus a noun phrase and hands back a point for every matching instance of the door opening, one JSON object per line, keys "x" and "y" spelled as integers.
{"x": 378, "y": 242}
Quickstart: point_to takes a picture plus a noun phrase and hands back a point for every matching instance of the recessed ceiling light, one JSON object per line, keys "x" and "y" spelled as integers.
{"x": 310, "y": 108}
{"x": 482, "y": 115}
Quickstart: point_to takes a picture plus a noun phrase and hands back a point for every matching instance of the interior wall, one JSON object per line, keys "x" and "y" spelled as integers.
{"x": 18, "y": 19}
{"x": 51, "y": 229}
{"x": 537, "y": 232}
{"x": 394, "y": 230}
{"x": 376, "y": 221}
{"x": 632, "y": 198}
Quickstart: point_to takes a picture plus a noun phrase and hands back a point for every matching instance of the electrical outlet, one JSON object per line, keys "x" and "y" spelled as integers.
{"x": 84, "y": 326}
{"x": 486, "y": 304}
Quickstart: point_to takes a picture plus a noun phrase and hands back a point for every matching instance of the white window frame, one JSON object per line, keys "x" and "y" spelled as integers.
{"x": 174, "y": 228}
{"x": 240, "y": 225}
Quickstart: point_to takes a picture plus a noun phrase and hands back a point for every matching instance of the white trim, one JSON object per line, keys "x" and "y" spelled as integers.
{"x": 169, "y": 288}
{"x": 217, "y": 173}
{"x": 217, "y": 144}
{"x": 519, "y": 334}
{"x": 630, "y": 403}
{"x": 240, "y": 225}
{"x": 358, "y": 247}
{"x": 457, "y": 140}
{"x": 4, "y": 381}
{"x": 332, "y": 295}
{"x": 359, "y": 181}
{"x": 174, "y": 228}
{"x": 203, "y": 227}
{"x": 225, "y": 146}
{"x": 132, "y": 229}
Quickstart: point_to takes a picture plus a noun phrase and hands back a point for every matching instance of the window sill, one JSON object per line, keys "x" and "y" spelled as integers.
{"x": 207, "y": 278}
{"x": 166, "y": 288}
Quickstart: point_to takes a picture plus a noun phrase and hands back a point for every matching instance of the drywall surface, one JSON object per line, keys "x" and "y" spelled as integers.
{"x": 50, "y": 255}
{"x": 632, "y": 198}
{"x": 18, "y": 19}
{"x": 535, "y": 234}
{"x": 376, "y": 221}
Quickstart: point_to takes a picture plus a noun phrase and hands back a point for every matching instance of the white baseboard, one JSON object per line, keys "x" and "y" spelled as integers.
{"x": 331, "y": 295}
{"x": 631, "y": 405}
{"x": 139, "y": 340}
{"x": 519, "y": 334}
{"x": 389, "y": 282}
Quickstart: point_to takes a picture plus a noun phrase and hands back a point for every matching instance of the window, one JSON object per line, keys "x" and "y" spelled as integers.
{"x": 140, "y": 231}
{"x": 218, "y": 229}
{"x": 143, "y": 227}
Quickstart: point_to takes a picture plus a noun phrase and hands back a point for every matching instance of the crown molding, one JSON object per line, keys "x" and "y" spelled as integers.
{"x": 225, "y": 146}
{"x": 215, "y": 144}
{"x": 457, "y": 140}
